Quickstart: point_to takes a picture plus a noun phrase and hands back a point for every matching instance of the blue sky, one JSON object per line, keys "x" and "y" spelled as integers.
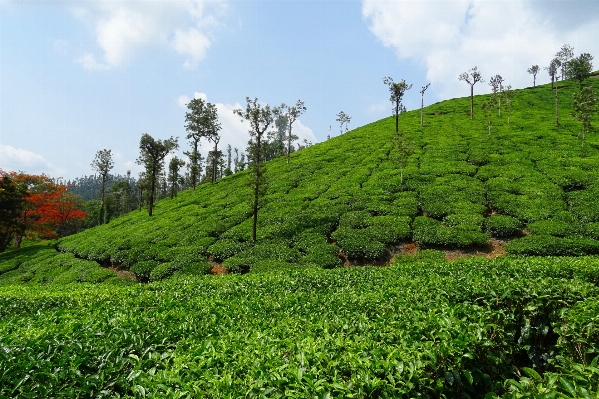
{"x": 80, "y": 76}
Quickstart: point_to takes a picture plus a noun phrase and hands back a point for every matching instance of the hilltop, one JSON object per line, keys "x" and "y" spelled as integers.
{"x": 346, "y": 201}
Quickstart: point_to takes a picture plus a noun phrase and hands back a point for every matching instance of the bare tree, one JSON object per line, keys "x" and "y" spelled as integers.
{"x": 260, "y": 118}
{"x": 397, "y": 91}
{"x": 342, "y": 118}
{"x": 471, "y": 77}
{"x": 533, "y": 70}
{"x": 508, "y": 100}
{"x": 102, "y": 164}
{"x": 421, "y": 105}
{"x": 496, "y": 86}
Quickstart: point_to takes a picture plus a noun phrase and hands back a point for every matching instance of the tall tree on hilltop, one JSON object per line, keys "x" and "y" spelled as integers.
{"x": 471, "y": 77}
{"x": 495, "y": 83}
{"x": 580, "y": 68}
{"x": 421, "y": 106}
{"x": 216, "y": 154}
{"x": 564, "y": 55}
{"x": 342, "y": 118}
{"x": 553, "y": 70}
{"x": 174, "y": 165}
{"x": 585, "y": 105}
{"x": 533, "y": 70}
{"x": 397, "y": 91}
{"x": 260, "y": 118}
{"x": 102, "y": 164}
{"x": 152, "y": 154}
{"x": 292, "y": 113}
{"x": 201, "y": 122}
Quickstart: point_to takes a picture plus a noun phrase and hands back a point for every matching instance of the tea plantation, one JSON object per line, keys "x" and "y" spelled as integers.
{"x": 522, "y": 325}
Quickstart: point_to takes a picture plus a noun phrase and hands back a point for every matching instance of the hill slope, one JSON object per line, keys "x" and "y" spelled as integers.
{"x": 461, "y": 187}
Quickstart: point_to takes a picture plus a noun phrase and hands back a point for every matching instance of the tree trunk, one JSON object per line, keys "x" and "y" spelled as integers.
{"x": 289, "y": 143}
{"x": 194, "y": 161}
{"x": 214, "y": 161}
{"x": 397, "y": 118}
{"x": 556, "y": 108}
{"x": 534, "y": 80}
{"x": 257, "y": 182}
{"x": 152, "y": 188}
{"x": 499, "y": 102}
{"x": 422, "y": 111}
{"x": 471, "y": 102}
{"x": 101, "y": 221}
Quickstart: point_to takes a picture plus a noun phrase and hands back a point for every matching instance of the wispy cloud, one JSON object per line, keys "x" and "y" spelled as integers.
{"x": 123, "y": 29}
{"x": 17, "y": 160}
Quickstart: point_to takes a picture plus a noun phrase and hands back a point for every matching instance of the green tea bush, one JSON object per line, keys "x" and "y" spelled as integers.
{"x": 428, "y": 231}
{"x": 323, "y": 255}
{"x": 592, "y": 230}
{"x": 355, "y": 219}
{"x": 502, "y": 226}
{"x": 142, "y": 270}
{"x": 466, "y": 219}
{"x": 226, "y": 248}
{"x": 546, "y": 245}
{"x": 550, "y": 227}
{"x": 359, "y": 244}
{"x": 165, "y": 270}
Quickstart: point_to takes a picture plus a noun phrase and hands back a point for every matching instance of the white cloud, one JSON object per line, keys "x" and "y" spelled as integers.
{"x": 17, "y": 159}
{"x": 235, "y": 130}
{"x": 500, "y": 37}
{"x": 124, "y": 28}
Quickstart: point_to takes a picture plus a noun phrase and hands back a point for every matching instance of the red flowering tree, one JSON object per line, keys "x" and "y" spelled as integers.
{"x": 41, "y": 208}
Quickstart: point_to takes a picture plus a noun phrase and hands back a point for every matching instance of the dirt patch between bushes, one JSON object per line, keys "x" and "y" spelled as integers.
{"x": 123, "y": 273}
{"x": 218, "y": 269}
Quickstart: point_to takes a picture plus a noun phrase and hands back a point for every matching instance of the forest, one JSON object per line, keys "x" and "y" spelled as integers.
{"x": 448, "y": 251}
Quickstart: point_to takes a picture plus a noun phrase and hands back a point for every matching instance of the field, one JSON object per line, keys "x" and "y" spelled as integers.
{"x": 416, "y": 329}
{"x": 289, "y": 320}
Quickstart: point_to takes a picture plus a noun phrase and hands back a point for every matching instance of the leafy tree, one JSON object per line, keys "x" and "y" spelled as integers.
{"x": 102, "y": 164}
{"x": 174, "y": 166}
{"x": 580, "y": 68}
{"x": 421, "y": 106}
{"x": 471, "y": 77}
{"x": 397, "y": 91}
{"x": 342, "y": 118}
{"x": 495, "y": 83}
{"x": 123, "y": 196}
{"x": 142, "y": 185}
{"x": 585, "y": 105}
{"x": 291, "y": 113}
{"x": 553, "y": 70}
{"x": 564, "y": 55}
{"x": 152, "y": 154}
{"x": 228, "y": 170}
{"x": 260, "y": 118}
{"x": 201, "y": 122}
{"x": 12, "y": 202}
{"x": 533, "y": 70}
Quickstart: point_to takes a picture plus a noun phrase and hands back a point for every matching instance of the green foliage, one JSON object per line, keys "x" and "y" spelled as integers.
{"x": 502, "y": 226}
{"x": 413, "y": 329}
{"x": 547, "y": 245}
{"x": 143, "y": 269}
{"x": 428, "y": 231}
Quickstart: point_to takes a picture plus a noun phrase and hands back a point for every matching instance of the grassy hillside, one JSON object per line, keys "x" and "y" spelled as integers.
{"x": 512, "y": 326}
{"x": 462, "y": 186}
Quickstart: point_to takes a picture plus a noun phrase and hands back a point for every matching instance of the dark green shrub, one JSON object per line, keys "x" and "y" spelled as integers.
{"x": 502, "y": 226}
{"x": 143, "y": 269}
{"x": 355, "y": 219}
{"x": 550, "y": 227}
{"x": 307, "y": 240}
{"x": 592, "y": 230}
{"x": 224, "y": 249}
{"x": 164, "y": 270}
{"x": 271, "y": 265}
{"x": 239, "y": 265}
{"x": 429, "y": 231}
{"x": 323, "y": 255}
{"x": 545, "y": 245}
{"x": 194, "y": 269}
{"x": 389, "y": 229}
